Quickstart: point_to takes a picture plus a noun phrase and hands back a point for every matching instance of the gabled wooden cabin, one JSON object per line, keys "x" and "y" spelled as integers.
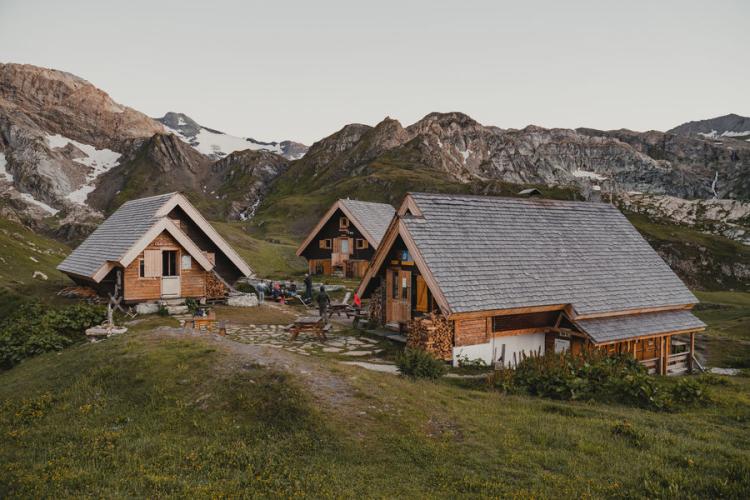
{"x": 158, "y": 248}
{"x": 346, "y": 237}
{"x": 514, "y": 277}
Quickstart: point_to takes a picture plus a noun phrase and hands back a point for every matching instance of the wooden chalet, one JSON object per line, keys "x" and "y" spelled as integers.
{"x": 156, "y": 248}
{"x": 512, "y": 277}
{"x": 346, "y": 237}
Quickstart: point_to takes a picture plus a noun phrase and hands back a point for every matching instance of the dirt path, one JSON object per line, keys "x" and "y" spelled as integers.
{"x": 328, "y": 388}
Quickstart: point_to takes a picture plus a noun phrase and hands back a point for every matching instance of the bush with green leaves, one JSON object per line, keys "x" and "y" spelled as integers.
{"x": 34, "y": 328}
{"x": 600, "y": 377}
{"x": 418, "y": 363}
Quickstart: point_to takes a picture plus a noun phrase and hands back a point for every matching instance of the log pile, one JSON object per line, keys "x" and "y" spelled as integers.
{"x": 377, "y": 307}
{"x": 215, "y": 288}
{"x": 433, "y": 333}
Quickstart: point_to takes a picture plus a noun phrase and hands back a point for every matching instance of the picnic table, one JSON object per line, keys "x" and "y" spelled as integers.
{"x": 310, "y": 324}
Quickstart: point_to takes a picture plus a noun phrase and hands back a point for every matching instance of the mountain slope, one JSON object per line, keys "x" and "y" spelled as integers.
{"x": 731, "y": 125}
{"x": 58, "y": 134}
{"x": 215, "y": 144}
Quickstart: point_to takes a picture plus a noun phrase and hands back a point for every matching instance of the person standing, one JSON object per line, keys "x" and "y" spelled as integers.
{"x": 323, "y": 301}
{"x": 308, "y": 287}
{"x": 261, "y": 289}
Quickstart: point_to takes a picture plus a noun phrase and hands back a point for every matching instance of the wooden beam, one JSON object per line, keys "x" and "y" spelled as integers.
{"x": 692, "y": 352}
{"x": 522, "y": 331}
{"x": 505, "y": 312}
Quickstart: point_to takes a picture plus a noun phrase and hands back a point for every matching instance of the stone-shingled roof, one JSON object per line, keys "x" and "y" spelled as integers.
{"x": 114, "y": 237}
{"x": 491, "y": 253}
{"x": 373, "y": 217}
{"x": 611, "y": 329}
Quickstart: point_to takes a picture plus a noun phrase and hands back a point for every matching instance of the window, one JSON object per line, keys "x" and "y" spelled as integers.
{"x": 169, "y": 263}
{"x": 361, "y": 243}
{"x": 187, "y": 262}
{"x": 141, "y": 268}
{"x": 325, "y": 244}
{"x": 404, "y": 289}
{"x": 344, "y": 245}
{"x": 343, "y": 223}
{"x": 394, "y": 283}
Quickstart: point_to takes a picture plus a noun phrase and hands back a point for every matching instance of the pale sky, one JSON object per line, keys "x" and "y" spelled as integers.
{"x": 277, "y": 70}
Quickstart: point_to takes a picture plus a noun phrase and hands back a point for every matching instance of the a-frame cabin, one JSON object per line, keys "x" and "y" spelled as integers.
{"x": 156, "y": 248}
{"x": 346, "y": 237}
{"x": 519, "y": 276}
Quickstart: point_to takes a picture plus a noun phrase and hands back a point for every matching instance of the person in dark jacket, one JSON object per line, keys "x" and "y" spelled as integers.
{"x": 323, "y": 301}
{"x": 308, "y": 286}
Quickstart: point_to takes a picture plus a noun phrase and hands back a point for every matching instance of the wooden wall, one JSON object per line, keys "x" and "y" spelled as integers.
{"x": 471, "y": 331}
{"x": 192, "y": 281}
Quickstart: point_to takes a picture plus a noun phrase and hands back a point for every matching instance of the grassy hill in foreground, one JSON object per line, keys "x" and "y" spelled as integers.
{"x": 146, "y": 414}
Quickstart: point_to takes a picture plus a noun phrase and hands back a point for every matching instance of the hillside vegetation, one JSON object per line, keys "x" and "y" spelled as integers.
{"x": 22, "y": 253}
{"x": 155, "y": 415}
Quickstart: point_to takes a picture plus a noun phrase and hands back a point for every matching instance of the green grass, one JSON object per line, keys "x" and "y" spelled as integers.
{"x": 727, "y": 338}
{"x": 268, "y": 259}
{"x": 142, "y": 415}
{"x": 699, "y": 258}
{"x": 22, "y": 252}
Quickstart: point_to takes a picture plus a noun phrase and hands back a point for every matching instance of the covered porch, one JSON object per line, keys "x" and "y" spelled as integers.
{"x": 663, "y": 341}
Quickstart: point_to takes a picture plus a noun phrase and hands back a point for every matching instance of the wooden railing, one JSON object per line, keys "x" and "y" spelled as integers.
{"x": 652, "y": 365}
{"x": 677, "y": 363}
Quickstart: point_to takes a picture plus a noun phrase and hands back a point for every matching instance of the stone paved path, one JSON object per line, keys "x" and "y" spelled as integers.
{"x": 306, "y": 344}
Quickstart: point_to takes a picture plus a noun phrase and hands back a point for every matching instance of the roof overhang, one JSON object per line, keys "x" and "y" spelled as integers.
{"x": 612, "y": 329}
{"x": 180, "y": 200}
{"x": 339, "y": 205}
{"x": 395, "y": 229}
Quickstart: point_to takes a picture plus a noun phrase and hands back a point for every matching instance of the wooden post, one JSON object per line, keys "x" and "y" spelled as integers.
{"x": 692, "y": 352}
{"x": 663, "y": 357}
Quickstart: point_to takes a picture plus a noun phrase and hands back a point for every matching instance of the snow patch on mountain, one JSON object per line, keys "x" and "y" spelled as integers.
{"x": 218, "y": 144}
{"x": 30, "y": 199}
{"x": 585, "y": 174}
{"x": 4, "y": 174}
{"x": 99, "y": 162}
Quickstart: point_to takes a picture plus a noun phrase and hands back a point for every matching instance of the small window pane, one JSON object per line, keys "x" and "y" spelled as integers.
{"x": 142, "y": 268}
{"x": 187, "y": 262}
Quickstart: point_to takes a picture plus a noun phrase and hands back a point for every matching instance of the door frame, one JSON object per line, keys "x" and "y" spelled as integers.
{"x": 176, "y": 277}
{"x": 398, "y": 310}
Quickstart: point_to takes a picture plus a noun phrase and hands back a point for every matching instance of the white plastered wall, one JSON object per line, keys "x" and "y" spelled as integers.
{"x": 493, "y": 350}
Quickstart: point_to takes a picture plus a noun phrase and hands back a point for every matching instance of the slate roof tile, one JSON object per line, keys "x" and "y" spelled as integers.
{"x": 498, "y": 253}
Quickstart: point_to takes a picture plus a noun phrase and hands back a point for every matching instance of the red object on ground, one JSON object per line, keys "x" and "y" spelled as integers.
{"x": 357, "y": 300}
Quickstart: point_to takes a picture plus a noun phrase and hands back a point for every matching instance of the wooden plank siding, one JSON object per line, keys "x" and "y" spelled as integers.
{"x": 192, "y": 281}
{"x": 470, "y": 331}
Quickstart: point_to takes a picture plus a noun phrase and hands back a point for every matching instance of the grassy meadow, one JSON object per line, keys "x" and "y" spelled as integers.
{"x": 153, "y": 415}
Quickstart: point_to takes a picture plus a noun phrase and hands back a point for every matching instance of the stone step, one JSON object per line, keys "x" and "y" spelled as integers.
{"x": 172, "y": 302}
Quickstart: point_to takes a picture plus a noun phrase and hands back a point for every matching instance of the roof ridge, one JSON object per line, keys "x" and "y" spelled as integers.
{"x": 530, "y": 201}
{"x": 150, "y": 197}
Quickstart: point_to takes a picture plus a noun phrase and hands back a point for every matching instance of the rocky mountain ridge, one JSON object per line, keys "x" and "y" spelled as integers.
{"x": 216, "y": 144}
{"x": 728, "y": 126}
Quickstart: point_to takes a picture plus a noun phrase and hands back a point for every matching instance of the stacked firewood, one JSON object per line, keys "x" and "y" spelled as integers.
{"x": 433, "y": 333}
{"x": 377, "y": 306}
{"x": 215, "y": 288}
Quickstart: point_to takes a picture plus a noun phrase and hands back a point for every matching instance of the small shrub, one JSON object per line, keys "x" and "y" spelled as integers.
{"x": 192, "y": 305}
{"x": 245, "y": 288}
{"x": 502, "y": 379}
{"x": 34, "y": 328}
{"x": 163, "y": 311}
{"x": 629, "y": 433}
{"x": 477, "y": 364}
{"x": 418, "y": 363}
{"x": 689, "y": 391}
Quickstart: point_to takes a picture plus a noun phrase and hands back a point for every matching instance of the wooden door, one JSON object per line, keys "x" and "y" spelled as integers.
{"x": 398, "y": 302}
{"x": 170, "y": 274}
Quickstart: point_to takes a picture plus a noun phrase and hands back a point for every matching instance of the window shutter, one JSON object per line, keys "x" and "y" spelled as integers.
{"x": 152, "y": 263}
